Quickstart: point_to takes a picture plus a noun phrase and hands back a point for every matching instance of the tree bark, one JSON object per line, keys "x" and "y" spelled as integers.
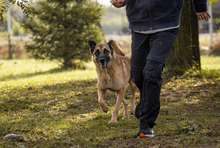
{"x": 185, "y": 51}
{"x": 10, "y": 51}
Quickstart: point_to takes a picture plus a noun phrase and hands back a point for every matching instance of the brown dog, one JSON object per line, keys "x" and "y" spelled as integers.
{"x": 113, "y": 70}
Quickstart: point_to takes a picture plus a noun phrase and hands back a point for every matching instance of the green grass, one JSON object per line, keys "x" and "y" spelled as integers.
{"x": 210, "y": 62}
{"x": 52, "y": 107}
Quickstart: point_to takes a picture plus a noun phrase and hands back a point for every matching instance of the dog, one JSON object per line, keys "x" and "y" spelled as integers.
{"x": 113, "y": 70}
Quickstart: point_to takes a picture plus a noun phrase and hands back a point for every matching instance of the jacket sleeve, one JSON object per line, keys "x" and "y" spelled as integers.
{"x": 126, "y": 2}
{"x": 200, "y": 5}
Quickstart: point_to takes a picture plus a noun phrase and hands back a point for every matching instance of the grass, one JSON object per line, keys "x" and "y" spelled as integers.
{"x": 210, "y": 62}
{"x": 58, "y": 108}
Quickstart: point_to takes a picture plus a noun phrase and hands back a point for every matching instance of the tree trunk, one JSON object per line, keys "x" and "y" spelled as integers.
{"x": 10, "y": 51}
{"x": 185, "y": 51}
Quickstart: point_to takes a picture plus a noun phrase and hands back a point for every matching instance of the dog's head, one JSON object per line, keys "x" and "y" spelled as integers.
{"x": 102, "y": 53}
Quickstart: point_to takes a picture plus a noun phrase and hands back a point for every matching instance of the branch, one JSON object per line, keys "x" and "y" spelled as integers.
{"x": 5, "y": 4}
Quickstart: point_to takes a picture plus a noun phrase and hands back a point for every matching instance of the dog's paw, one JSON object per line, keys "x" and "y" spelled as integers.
{"x": 132, "y": 112}
{"x": 124, "y": 118}
{"x": 112, "y": 122}
{"x": 104, "y": 109}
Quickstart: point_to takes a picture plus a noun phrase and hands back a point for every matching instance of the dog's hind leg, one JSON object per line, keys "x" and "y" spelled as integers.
{"x": 133, "y": 91}
{"x": 125, "y": 114}
{"x": 101, "y": 101}
{"x": 120, "y": 97}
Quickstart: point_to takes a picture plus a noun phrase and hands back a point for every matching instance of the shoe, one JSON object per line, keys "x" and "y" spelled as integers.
{"x": 138, "y": 110}
{"x": 145, "y": 131}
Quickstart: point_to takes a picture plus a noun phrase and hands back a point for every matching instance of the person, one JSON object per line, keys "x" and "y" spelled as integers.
{"x": 154, "y": 25}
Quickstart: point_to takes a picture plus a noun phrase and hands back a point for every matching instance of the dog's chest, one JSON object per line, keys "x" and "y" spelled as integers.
{"x": 110, "y": 82}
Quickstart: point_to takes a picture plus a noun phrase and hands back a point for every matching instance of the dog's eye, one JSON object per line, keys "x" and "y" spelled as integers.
{"x": 97, "y": 52}
{"x": 106, "y": 51}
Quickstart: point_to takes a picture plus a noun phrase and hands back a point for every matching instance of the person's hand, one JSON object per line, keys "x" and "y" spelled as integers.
{"x": 203, "y": 15}
{"x": 117, "y": 3}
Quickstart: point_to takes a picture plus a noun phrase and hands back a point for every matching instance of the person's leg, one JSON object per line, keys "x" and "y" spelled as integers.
{"x": 160, "y": 44}
{"x": 140, "y": 49}
{"x": 150, "y": 103}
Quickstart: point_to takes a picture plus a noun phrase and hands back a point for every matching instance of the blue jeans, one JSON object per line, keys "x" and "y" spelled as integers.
{"x": 149, "y": 55}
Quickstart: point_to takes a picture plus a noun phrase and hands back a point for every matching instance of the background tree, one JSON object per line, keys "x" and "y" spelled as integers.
{"x": 60, "y": 30}
{"x": 185, "y": 51}
{"x": 16, "y": 29}
{"x": 4, "y": 5}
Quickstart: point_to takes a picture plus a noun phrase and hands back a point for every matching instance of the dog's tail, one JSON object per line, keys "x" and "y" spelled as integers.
{"x": 117, "y": 49}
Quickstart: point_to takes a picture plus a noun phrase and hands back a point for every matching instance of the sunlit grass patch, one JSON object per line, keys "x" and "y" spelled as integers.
{"x": 210, "y": 62}
{"x": 31, "y": 73}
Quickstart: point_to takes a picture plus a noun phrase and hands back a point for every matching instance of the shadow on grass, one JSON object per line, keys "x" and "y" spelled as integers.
{"x": 68, "y": 115}
{"x": 72, "y": 94}
{"x": 62, "y": 131}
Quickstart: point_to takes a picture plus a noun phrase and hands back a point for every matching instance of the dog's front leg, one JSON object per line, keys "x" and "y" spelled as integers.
{"x": 101, "y": 101}
{"x": 120, "y": 97}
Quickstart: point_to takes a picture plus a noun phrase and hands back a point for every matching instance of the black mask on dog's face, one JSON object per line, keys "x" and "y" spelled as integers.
{"x": 101, "y": 53}
{"x": 102, "y": 57}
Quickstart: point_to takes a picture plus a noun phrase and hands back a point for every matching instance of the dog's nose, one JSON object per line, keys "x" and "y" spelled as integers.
{"x": 102, "y": 60}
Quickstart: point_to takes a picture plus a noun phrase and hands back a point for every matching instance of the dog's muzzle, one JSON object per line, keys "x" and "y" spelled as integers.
{"x": 103, "y": 63}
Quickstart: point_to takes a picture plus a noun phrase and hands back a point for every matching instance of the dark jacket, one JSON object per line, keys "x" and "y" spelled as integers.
{"x": 157, "y": 14}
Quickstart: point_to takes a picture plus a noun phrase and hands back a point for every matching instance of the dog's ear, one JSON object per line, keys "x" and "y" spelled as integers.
{"x": 110, "y": 45}
{"x": 114, "y": 47}
{"x": 92, "y": 45}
